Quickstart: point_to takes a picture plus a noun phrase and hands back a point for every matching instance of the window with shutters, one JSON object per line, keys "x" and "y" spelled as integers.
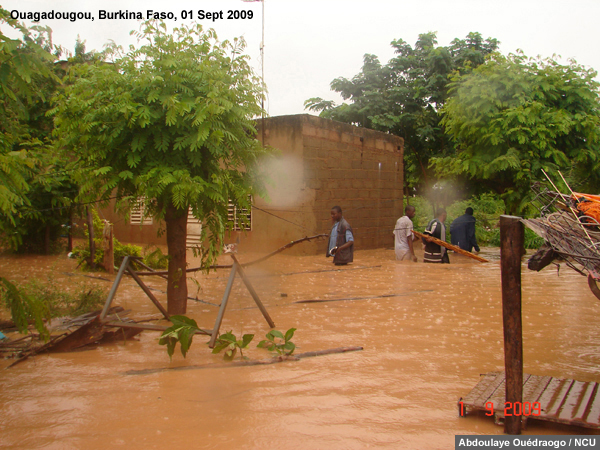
{"x": 136, "y": 215}
{"x": 240, "y": 217}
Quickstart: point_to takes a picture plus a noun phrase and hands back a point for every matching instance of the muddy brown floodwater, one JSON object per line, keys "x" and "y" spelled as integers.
{"x": 424, "y": 348}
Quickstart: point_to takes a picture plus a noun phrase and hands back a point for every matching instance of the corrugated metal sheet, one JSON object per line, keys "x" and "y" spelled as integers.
{"x": 569, "y": 402}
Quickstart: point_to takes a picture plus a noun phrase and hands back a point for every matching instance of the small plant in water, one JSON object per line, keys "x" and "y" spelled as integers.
{"x": 278, "y": 342}
{"x": 182, "y": 331}
{"x": 229, "y": 342}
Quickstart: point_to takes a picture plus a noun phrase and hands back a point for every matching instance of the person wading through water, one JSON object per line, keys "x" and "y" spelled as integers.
{"x": 341, "y": 240}
{"x": 436, "y": 253}
{"x": 403, "y": 236}
{"x": 462, "y": 231}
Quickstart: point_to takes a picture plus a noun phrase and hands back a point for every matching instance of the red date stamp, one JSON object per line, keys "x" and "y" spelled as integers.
{"x": 511, "y": 409}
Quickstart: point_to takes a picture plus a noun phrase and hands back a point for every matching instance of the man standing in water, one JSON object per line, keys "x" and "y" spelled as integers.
{"x": 403, "y": 236}
{"x": 341, "y": 240}
{"x": 436, "y": 253}
{"x": 462, "y": 231}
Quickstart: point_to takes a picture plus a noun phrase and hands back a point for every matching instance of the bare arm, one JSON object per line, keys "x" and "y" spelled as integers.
{"x": 409, "y": 239}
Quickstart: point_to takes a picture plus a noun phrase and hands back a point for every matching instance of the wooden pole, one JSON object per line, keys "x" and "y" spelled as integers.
{"x": 90, "y": 224}
{"x": 512, "y": 235}
{"x": 109, "y": 254}
{"x": 449, "y": 246}
{"x": 70, "y": 236}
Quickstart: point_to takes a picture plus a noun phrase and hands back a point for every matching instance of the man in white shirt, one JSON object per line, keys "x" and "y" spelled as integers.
{"x": 403, "y": 236}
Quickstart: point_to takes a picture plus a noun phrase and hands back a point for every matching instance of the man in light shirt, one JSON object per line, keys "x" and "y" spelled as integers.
{"x": 403, "y": 236}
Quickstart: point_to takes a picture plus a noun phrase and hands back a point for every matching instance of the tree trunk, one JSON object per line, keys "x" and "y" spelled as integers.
{"x": 177, "y": 292}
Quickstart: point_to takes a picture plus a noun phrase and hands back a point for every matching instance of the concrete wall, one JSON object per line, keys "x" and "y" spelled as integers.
{"x": 323, "y": 163}
{"x": 318, "y": 163}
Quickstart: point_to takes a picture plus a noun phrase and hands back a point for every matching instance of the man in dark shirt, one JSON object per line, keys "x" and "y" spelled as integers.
{"x": 435, "y": 253}
{"x": 341, "y": 239}
{"x": 462, "y": 231}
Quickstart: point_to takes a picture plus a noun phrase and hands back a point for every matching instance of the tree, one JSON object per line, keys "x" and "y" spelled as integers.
{"x": 32, "y": 195}
{"x": 514, "y": 116}
{"x": 24, "y": 67}
{"x": 404, "y": 96}
{"x": 170, "y": 121}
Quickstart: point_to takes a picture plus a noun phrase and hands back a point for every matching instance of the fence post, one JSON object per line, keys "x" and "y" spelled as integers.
{"x": 109, "y": 254}
{"x": 511, "y": 245}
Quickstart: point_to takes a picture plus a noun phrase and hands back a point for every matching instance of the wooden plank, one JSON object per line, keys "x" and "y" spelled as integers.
{"x": 571, "y": 401}
{"x": 497, "y": 383}
{"x": 563, "y": 401}
{"x": 585, "y": 402}
{"x": 498, "y": 398}
{"x": 480, "y": 387}
{"x": 449, "y": 246}
{"x": 593, "y": 413}
{"x": 555, "y": 396}
{"x": 536, "y": 386}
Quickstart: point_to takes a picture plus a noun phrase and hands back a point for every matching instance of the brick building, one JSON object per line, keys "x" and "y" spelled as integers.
{"x": 320, "y": 163}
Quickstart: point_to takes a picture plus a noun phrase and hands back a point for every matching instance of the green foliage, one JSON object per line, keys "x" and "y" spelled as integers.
{"x": 404, "y": 96}
{"x": 487, "y": 210}
{"x": 171, "y": 120}
{"x": 120, "y": 250}
{"x": 155, "y": 258}
{"x": 513, "y": 117}
{"x": 24, "y": 308}
{"x": 60, "y": 301}
{"x": 182, "y": 331}
{"x": 278, "y": 342}
{"x": 231, "y": 344}
{"x": 34, "y": 199}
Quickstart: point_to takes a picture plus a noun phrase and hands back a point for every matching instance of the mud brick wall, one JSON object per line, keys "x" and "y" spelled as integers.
{"x": 318, "y": 163}
{"x": 322, "y": 163}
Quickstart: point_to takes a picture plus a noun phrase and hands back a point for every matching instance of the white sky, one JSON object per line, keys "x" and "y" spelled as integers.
{"x": 308, "y": 43}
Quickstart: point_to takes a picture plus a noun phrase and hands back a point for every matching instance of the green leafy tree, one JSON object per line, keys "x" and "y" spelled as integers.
{"x": 25, "y": 72}
{"x": 171, "y": 121}
{"x": 405, "y": 95}
{"x": 514, "y": 116}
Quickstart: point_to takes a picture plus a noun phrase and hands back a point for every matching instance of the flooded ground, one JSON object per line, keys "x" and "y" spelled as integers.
{"x": 428, "y": 332}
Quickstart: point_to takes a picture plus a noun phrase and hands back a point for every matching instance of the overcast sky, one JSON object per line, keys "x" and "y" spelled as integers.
{"x": 308, "y": 43}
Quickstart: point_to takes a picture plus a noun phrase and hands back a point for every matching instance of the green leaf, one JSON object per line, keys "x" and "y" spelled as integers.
{"x": 276, "y": 333}
{"x": 289, "y": 347}
{"x": 289, "y": 334}
{"x": 220, "y": 346}
{"x": 246, "y": 339}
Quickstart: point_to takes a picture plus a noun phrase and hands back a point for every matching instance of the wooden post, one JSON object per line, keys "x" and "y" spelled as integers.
{"x": 107, "y": 241}
{"x": 90, "y": 224}
{"x": 511, "y": 244}
{"x": 70, "y": 236}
